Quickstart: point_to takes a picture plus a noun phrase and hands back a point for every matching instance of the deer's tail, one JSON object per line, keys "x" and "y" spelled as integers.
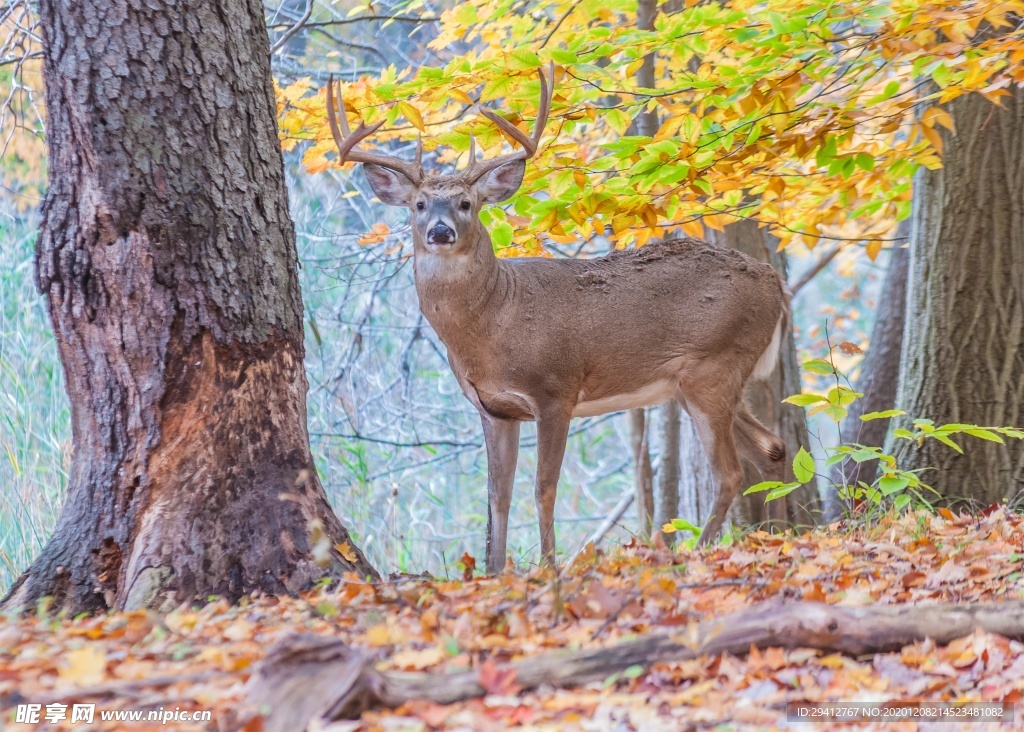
{"x": 766, "y": 364}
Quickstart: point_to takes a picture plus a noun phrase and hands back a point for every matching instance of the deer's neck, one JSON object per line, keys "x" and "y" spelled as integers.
{"x": 461, "y": 294}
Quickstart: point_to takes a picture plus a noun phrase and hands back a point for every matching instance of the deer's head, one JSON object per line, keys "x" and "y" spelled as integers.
{"x": 445, "y": 208}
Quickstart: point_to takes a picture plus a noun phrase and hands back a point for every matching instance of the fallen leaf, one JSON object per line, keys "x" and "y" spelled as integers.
{"x": 497, "y": 680}
{"x": 84, "y": 666}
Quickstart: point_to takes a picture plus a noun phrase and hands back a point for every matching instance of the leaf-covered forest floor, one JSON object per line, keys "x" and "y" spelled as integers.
{"x": 201, "y": 658}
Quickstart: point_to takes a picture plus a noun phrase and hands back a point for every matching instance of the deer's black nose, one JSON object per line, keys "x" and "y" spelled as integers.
{"x": 440, "y": 234}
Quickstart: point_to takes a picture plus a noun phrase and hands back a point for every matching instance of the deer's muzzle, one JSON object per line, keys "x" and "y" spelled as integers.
{"x": 440, "y": 234}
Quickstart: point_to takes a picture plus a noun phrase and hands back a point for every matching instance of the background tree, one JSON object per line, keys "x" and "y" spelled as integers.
{"x": 963, "y": 347}
{"x": 168, "y": 261}
{"x": 879, "y": 375}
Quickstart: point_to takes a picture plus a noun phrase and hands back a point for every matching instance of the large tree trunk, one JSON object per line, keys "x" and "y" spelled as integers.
{"x": 963, "y": 350}
{"x": 802, "y": 507}
{"x": 168, "y": 262}
{"x": 879, "y": 375}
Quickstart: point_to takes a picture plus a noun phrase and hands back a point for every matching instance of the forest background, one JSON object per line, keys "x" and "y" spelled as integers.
{"x": 397, "y": 446}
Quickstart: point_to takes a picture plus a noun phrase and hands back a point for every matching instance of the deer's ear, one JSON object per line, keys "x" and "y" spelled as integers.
{"x": 388, "y": 185}
{"x": 501, "y": 183}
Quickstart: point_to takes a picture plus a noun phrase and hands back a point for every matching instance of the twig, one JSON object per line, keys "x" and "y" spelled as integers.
{"x": 361, "y": 19}
{"x": 294, "y": 29}
{"x": 609, "y": 523}
{"x": 813, "y": 271}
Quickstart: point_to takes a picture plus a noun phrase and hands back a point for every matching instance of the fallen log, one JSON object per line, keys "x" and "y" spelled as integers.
{"x": 307, "y": 677}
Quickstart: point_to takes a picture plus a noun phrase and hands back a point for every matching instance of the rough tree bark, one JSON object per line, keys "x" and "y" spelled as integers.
{"x": 963, "y": 348}
{"x": 168, "y": 262}
{"x": 879, "y": 375}
{"x": 802, "y": 507}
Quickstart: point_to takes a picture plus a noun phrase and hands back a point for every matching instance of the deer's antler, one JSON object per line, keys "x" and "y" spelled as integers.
{"x": 475, "y": 170}
{"x": 346, "y": 140}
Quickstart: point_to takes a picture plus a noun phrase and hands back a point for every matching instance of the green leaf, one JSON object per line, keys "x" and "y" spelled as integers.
{"x": 523, "y": 59}
{"x": 842, "y": 396}
{"x": 781, "y": 492}
{"x": 902, "y": 501}
{"x": 861, "y": 456}
{"x": 618, "y": 120}
{"x": 803, "y": 466}
{"x": 566, "y": 58}
{"x": 888, "y": 93}
{"x": 948, "y": 442}
{"x": 833, "y": 411}
{"x": 633, "y": 672}
{"x": 501, "y": 234}
{"x": 804, "y": 400}
{"x": 767, "y": 485}
{"x": 683, "y": 525}
{"x": 984, "y": 434}
{"x": 497, "y": 88}
{"x": 885, "y": 414}
{"x": 817, "y": 366}
{"x": 892, "y": 484}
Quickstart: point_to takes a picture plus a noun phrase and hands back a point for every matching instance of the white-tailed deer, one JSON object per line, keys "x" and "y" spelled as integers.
{"x": 552, "y": 339}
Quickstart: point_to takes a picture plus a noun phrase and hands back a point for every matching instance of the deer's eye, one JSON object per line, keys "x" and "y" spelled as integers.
{"x": 420, "y": 205}
{"x": 464, "y": 205}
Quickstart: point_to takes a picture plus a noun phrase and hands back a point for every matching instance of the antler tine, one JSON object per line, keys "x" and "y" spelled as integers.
{"x": 471, "y": 165}
{"x": 529, "y": 143}
{"x": 346, "y": 141}
{"x": 547, "y": 90}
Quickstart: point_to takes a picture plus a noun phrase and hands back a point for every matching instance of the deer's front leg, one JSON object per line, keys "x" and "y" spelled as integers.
{"x": 552, "y": 432}
{"x": 502, "y": 439}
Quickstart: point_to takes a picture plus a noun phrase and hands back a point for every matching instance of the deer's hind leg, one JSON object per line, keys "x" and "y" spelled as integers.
{"x": 711, "y": 397}
{"x": 765, "y": 450}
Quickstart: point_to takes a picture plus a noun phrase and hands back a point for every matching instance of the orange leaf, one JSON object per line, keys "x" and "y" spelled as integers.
{"x": 345, "y": 550}
{"x": 468, "y": 566}
{"x": 499, "y": 681}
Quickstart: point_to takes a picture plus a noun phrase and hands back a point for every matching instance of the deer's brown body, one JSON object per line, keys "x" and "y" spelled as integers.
{"x": 597, "y": 335}
{"x": 547, "y": 340}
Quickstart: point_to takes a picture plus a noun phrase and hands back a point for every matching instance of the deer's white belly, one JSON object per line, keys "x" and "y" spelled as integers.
{"x": 647, "y": 396}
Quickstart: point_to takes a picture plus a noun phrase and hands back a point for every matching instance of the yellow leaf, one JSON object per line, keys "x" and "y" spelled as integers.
{"x": 933, "y": 137}
{"x": 418, "y": 660}
{"x": 873, "y": 248}
{"x": 345, "y": 550}
{"x": 84, "y": 666}
{"x": 693, "y": 228}
{"x": 934, "y": 115}
{"x": 378, "y": 635}
{"x": 413, "y": 115}
{"x": 669, "y": 128}
{"x": 460, "y": 96}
